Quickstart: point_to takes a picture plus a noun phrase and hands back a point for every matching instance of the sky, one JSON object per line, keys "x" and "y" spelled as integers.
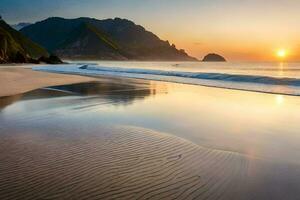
{"x": 240, "y": 30}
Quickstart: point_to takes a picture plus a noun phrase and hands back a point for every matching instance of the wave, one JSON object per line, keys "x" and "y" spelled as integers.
{"x": 197, "y": 75}
{"x": 268, "y": 84}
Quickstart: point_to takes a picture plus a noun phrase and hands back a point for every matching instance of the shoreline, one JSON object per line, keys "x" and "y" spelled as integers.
{"x": 36, "y": 79}
{"x": 169, "y": 81}
{"x": 19, "y": 79}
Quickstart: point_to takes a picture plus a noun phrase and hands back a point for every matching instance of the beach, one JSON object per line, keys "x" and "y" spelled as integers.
{"x": 21, "y": 79}
{"x": 76, "y": 137}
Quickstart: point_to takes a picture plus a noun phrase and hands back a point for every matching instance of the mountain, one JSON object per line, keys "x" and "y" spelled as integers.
{"x": 15, "y": 47}
{"x": 19, "y": 26}
{"x": 212, "y": 57}
{"x": 110, "y": 39}
{"x": 87, "y": 41}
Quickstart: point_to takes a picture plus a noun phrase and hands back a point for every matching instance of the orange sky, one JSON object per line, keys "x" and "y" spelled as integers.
{"x": 253, "y": 30}
{"x": 241, "y": 30}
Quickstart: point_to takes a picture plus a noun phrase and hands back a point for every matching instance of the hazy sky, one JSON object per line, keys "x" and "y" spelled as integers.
{"x": 237, "y": 29}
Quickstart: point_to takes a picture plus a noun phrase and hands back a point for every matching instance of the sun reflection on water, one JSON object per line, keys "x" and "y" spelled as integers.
{"x": 281, "y": 69}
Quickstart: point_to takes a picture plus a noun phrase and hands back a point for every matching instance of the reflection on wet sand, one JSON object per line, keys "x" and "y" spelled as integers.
{"x": 6, "y": 101}
{"x": 115, "y": 92}
{"x": 35, "y": 94}
{"x": 116, "y": 139}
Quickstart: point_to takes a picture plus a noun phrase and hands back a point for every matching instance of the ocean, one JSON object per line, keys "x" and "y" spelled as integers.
{"x": 267, "y": 77}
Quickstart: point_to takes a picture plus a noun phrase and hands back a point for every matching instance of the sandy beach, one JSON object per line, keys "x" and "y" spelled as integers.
{"x": 111, "y": 138}
{"x": 15, "y": 80}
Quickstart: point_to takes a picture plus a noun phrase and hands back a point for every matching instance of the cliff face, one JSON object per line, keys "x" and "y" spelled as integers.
{"x": 14, "y": 47}
{"x": 111, "y": 39}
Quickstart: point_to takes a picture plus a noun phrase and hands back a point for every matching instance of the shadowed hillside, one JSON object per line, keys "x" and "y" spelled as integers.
{"x": 110, "y": 39}
{"x": 14, "y": 47}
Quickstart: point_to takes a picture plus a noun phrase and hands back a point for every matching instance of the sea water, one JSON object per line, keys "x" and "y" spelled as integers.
{"x": 268, "y": 77}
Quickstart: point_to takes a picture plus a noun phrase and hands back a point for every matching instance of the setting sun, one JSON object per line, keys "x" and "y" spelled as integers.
{"x": 281, "y": 53}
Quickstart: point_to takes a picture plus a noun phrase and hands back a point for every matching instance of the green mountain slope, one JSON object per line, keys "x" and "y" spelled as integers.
{"x": 88, "y": 42}
{"x": 111, "y": 39}
{"x": 14, "y": 47}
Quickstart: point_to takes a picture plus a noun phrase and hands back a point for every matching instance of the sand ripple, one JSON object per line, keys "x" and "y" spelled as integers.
{"x": 118, "y": 163}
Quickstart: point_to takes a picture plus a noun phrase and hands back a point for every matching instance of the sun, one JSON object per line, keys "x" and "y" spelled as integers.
{"x": 281, "y": 53}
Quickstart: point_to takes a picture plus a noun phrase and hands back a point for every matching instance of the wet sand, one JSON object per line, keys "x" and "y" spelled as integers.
{"x": 122, "y": 162}
{"x": 15, "y": 80}
{"x": 100, "y": 140}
